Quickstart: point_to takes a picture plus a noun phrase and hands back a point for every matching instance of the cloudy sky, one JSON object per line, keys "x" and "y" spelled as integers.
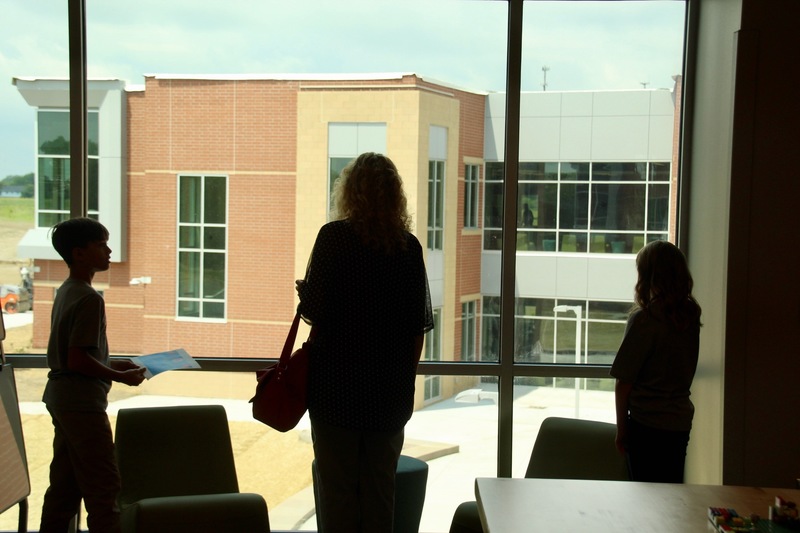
{"x": 585, "y": 45}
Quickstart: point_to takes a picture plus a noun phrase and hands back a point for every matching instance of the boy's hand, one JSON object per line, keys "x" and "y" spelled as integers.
{"x": 122, "y": 364}
{"x": 133, "y": 376}
{"x": 130, "y": 373}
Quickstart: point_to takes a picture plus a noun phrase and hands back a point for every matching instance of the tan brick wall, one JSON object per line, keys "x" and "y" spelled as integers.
{"x": 399, "y": 109}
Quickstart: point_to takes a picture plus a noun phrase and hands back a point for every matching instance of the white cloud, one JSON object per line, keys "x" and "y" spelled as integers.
{"x": 587, "y": 45}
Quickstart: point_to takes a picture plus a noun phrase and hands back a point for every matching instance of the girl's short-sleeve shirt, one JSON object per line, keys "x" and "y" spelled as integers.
{"x": 659, "y": 360}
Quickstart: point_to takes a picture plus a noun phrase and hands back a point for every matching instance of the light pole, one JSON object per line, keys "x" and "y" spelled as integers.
{"x": 578, "y": 310}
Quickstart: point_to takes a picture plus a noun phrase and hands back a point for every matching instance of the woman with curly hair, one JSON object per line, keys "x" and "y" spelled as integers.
{"x": 655, "y": 366}
{"x": 366, "y": 297}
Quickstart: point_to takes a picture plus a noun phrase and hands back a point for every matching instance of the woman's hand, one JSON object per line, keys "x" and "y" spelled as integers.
{"x": 299, "y": 284}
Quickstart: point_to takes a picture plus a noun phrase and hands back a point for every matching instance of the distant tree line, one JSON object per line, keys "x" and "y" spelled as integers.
{"x": 22, "y": 183}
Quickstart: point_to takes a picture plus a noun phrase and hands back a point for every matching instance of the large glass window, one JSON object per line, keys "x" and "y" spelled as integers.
{"x": 53, "y": 166}
{"x": 435, "y": 205}
{"x": 202, "y": 246}
{"x": 348, "y": 140}
{"x": 433, "y": 352}
{"x": 493, "y": 206}
{"x": 471, "y": 180}
{"x": 583, "y": 207}
{"x": 335, "y": 167}
{"x": 256, "y": 156}
{"x": 469, "y": 331}
{"x": 557, "y": 331}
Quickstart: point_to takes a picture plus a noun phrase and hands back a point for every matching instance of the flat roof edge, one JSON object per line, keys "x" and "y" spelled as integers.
{"x": 286, "y": 76}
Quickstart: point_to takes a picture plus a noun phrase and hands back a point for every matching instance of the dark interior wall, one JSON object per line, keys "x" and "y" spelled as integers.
{"x": 762, "y": 350}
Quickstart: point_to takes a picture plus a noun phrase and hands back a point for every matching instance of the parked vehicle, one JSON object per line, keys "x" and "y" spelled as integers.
{"x": 15, "y": 299}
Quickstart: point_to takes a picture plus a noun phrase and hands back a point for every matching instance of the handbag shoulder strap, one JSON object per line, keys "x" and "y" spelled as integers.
{"x": 286, "y": 354}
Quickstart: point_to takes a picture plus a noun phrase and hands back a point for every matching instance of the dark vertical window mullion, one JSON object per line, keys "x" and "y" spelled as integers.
{"x": 508, "y": 265}
{"x": 691, "y": 25}
{"x": 78, "y": 110}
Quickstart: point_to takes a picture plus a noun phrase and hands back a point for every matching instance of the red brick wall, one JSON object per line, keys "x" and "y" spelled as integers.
{"x": 242, "y": 129}
{"x": 468, "y": 250}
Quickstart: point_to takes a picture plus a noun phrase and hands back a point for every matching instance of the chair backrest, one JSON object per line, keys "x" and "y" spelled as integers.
{"x": 174, "y": 451}
{"x": 568, "y": 448}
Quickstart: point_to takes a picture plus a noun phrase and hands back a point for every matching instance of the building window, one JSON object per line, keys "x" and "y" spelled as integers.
{"x": 348, "y": 140}
{"x": 582, "y": 206}
{"x": 433, "y": 352}
{"x": 469, "y": 331}
{"x": 545, "y": 330}
{"x": 202, "y": 246}
{"x": 53, "y": 166}
{"x": 493, "y": 206}
{"x": 471, "y": 179}
{"x": 435, "y": 205}
{"x": 335, "y": 167}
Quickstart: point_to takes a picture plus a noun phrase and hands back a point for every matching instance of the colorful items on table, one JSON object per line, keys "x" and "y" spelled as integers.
{"x": 725, "y": 520}
{"x": 785, "y": 513}
{"x": 783, "y": 517}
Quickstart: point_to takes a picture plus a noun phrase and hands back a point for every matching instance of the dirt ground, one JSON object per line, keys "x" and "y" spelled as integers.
{"x": 18, "y": 340}
{"x": 10, "y": 235}
{"x": 270, "y": 463}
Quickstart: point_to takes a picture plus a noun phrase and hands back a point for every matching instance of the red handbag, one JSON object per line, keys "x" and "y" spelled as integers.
{"x": 280, "y": 399}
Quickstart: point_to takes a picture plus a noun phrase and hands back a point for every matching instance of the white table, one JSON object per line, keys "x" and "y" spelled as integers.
{"x": 569, "y": 506}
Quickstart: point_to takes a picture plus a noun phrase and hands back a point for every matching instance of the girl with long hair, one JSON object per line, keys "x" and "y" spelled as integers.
{"x": 655, "y": 366}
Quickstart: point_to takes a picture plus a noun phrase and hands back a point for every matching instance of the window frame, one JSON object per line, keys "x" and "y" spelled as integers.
{"x": 202, "y": 251}
{"x": 550, "y": 238}
{"x": 47, "y": 217}
{"x": 432, "y": 383}
{"x": 469, "y": 331}
{"x": 506, "y": 369}
{"x": 437, "y": 171}
{"x": 472, "y": 173}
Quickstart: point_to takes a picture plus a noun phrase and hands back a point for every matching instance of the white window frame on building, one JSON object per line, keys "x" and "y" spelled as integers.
{"x": 348, "y": 140}
{"x": 469, "y": 330}
{"x": 106, "y": 184}
{"x": 436, "y": 176}
{"x": 546, "y": 188}
{"x": 472, "y": 174}
{"x": 433, "y": 352}
{"x": 52, "y": 186}
{"x": 202, "y": 247}
{"x": 545, "y": 332}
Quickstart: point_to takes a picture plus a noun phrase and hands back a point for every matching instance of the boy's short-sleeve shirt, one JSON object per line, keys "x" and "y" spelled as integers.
{"x": 78, "y": 319}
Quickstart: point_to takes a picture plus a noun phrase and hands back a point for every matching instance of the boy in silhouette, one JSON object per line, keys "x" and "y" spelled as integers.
{"x": 83, "y": 465}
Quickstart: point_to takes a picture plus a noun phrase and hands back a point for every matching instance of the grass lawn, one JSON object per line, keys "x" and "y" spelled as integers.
{"x": 16, "y": 218}
{"x": 16, "y": 211}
